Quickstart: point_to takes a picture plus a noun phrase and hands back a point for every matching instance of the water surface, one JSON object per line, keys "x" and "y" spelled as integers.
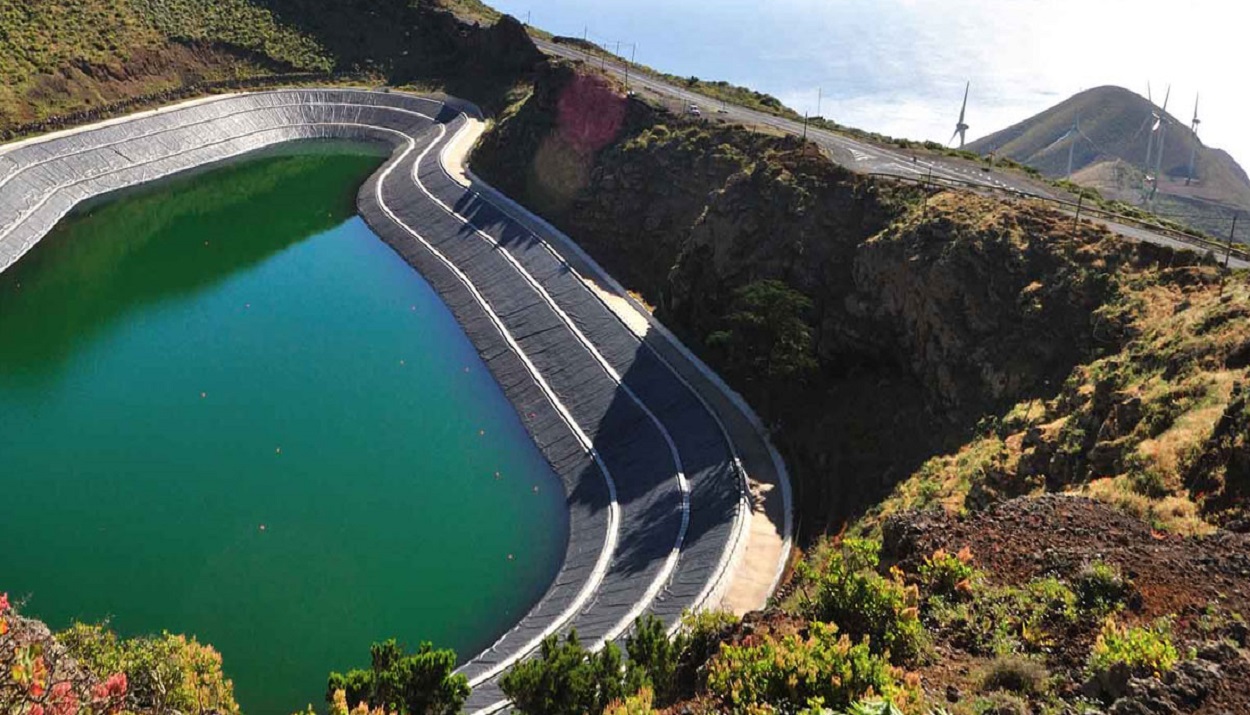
{"x": 228, "y": 409}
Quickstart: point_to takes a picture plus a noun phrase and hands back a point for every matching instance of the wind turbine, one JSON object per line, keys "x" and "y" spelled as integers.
{"x": 961, "y": 129}
{"x": 1193, "y": 152}
{"x": 1161, "y": 126}
{"x": 1073, "y": 133}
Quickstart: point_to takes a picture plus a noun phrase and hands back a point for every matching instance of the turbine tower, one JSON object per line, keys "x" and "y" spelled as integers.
{"x": 1193, "y": 152}
{"x": 1153, "y": 120}
{"x": 1072, "y": 134}
{"x": 961, "y": 128}
{"x": 1161, "y": 126}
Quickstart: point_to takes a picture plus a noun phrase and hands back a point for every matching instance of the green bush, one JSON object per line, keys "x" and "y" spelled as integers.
{"x": 789, "y": 673}
{"x": 422, "y": 683}
{"x": 1004, "y": 620}
{"x": 947, "y": 574}
{"x": 702, "y": 633}
{"x": 1015, "y": 674}
{"x": 765, "y": 336}
{"x": 653, "y": 658}
{"x": 847, "y": 590}
{"x": 166, "y": 673}
{"x": 1145, "y": 650}
{"x": 1100, "y": 588}
{"x": 566, "y": 679}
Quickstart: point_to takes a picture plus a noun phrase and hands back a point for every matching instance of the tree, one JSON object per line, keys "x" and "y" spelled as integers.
{"x": 566, "y": 679}
{"x": 421, "y": 683}
{"x": 765, "y": 333}
{"x": 653, "y": 658}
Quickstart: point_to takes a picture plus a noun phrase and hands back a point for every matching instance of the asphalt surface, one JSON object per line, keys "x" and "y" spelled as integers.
{"x": 857, "y": 155}
{"x": 653, "y": 483}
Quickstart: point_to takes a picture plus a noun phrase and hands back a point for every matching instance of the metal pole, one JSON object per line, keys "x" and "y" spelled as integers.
{"x": 1080, "y": 200}
{"x": 527, "y": 18}
{"x": 633, "y": 51}
{"x": 804, "y": 126}
{"x": 819, "y": 92}
{"x": 1231, "y": 237}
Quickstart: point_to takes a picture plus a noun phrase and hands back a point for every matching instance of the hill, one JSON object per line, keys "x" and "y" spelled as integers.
{"x": 66, "y": 56}
{"x": 1110, "y": 152}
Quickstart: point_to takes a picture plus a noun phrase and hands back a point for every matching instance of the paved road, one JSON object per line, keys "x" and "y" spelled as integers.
{"x": 852, "y": 153}
{"x": 855, "y": 154}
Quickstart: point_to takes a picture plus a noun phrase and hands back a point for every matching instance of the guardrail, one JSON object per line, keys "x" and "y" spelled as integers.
{"x": 166, "y": 96}
{"x": 1239, "y": 250}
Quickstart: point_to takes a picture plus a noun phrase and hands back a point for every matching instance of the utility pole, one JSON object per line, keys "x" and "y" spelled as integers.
{"x": 585, "y": 33}
{"x": 1232, "y": 236}
{"x": 633, "y": 50}
{"x": 804, "y": 126}
{"x": 527, "y": 18}
{"x": 818, "y": 98}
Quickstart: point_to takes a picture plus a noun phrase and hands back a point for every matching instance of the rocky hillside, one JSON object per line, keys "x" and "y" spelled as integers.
{"x": 1110, "y": 152}
{"x": 67, "y": 56}
{"x": 911, "y": 351}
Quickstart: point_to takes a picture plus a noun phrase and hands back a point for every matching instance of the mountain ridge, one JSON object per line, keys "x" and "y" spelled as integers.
{"x": 1112, "y": 128}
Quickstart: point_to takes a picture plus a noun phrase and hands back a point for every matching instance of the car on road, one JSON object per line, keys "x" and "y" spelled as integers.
{"x": 694, "y": 110}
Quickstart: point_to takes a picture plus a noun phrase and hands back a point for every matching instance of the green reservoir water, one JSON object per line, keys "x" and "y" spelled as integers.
{"x": 228, "y": 409}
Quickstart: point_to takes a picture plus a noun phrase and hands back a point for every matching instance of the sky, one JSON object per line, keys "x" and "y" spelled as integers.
{"x": 899, "y": 66}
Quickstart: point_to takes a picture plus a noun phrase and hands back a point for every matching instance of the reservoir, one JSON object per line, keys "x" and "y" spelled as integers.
{"x": 228, "y": 409}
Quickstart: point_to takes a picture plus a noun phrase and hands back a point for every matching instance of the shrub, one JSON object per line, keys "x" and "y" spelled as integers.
{"x": 948, "y": 574}
{"x": 1144, "y": 650}
{"x": 847, "y": 590}
{"x": 765, "y": 335}
{"x": 163, "y": 673}
{"x": 652, "y": 657}
{"x": 1000, "y": 703}
{"x": 421, "y": 683}
{"x": 1004, "y": 620}
{"x": 1100, "y": 588}
{"x": 701, "y": 635}
{"x": 566, "y": 679}
{"x": 790, "y": 672}
{"x": 1015, "y": 674}
{"x": 639, "y": 703}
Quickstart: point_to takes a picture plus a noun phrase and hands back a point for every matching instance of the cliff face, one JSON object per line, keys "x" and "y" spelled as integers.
{"x": 899, "y": 321}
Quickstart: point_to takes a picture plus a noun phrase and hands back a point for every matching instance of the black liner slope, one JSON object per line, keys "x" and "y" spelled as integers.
{"x": 534, "y": 301}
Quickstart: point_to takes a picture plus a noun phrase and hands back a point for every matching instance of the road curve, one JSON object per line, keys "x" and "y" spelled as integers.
{"x": 865, "y": 157}
{"x": 655, "y": 491}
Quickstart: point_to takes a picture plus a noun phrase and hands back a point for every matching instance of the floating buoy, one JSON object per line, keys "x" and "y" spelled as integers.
{"x": 247, "y": 305}
{"x": 535, "y": 488}
{"x": 278, "y": 451}
{"x": 203, "y": 395}
{"x": 466, "y": 368}
{"x": 496, "y": 475}
{"x": 510, "y": 557}
{"x": 401, "y": 362}
{"x": 262, "y": 527}
{"x": 481, "y": 433}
